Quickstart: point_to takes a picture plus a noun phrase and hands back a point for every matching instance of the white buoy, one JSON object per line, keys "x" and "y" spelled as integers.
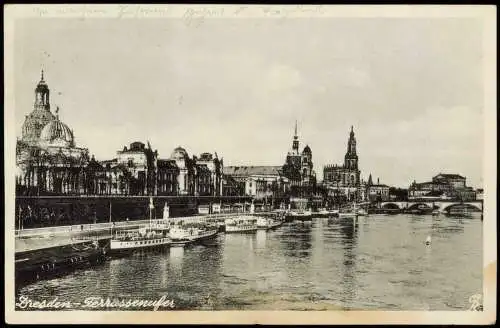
{"x": 428, "y": 240}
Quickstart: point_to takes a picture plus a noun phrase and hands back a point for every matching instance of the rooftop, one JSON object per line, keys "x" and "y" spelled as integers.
{"x": 449, "y": 176}
{"x": 252, "y": 170}
{"x": 379, "y": 185}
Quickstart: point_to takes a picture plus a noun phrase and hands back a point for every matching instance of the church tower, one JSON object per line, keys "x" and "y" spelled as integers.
{"x": 40, "y": 116}
{"x": 295, "y": 145}
{"x": 42, "y": 95}
{"x": 351, "y": 158}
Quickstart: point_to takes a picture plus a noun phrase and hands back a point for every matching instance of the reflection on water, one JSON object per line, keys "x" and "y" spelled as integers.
{"x": 261, "y": 239}
{"x": 175, "y": 257}
{"x": 374, "y": 262}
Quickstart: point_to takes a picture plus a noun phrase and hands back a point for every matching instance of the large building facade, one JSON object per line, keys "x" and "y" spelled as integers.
{"x": 48, "y": 162}
{"x": 442, "y": 186}
{"x": 259, "y": 182}
{"x": 47, "y": 159}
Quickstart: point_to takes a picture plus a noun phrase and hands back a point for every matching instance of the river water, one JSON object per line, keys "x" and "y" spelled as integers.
{"x": 379, "y": 262}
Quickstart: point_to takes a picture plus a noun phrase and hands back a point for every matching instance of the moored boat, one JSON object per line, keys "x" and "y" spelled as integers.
{"x": 145, "y": 237}
{"x": 347, "y": 214}
{"x": 325, "y": 213}
{"x": 181, "y": 235}
{"x": 360, "y": 209}
{"x": 301, "y": 215}
{"x": 268, "y": 223}
{"x": 242, "y": 223}
{"x": 262, "y": 223}
{"x": 135, "y": 239}
{"x": 48, "y": 263}
{"x": 361, "y": 212}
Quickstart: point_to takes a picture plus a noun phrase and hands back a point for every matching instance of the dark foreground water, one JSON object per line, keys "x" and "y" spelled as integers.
{"x": 376, "y": 262}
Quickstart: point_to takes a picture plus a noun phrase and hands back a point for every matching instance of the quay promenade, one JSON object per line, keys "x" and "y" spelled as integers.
{"x": 43, "y": 238}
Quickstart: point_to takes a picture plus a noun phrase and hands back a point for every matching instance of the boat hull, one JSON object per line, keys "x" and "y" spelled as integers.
{"x": 299, "y": 217}
{"x": 237, "y": 229}
{"x": 181, "y": 242}
{"x": 347, "y": 215}
{"x": 121, "y": 246}
{"x": 275, "y": 225}
{"x": 49, "y": 264}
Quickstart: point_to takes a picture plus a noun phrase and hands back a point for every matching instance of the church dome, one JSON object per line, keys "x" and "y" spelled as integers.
{"x": 34, "y": 123}
{"x": 179, "y": 153}
{"x": 56, "y": 133}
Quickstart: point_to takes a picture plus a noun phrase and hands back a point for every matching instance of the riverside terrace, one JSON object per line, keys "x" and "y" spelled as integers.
{"x": 47, "y": 211}
{"x": 51, "y": 251}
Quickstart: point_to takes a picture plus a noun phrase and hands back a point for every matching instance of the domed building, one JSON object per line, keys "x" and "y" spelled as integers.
{"x": 49, "y": 163}
{"x": 57, "y": 134}
{"x": 179, "y": 153}
{"x": 40, "y": 116}
{"x": 46, "y": 156}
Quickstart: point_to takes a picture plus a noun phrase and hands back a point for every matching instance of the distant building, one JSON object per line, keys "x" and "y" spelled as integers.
{"x": 454, "y": 181}
{"x": 398, "y": 194}
{"x": 185, "y": 179}
{"x": 141, "y": 163}
{"x": 298, "y": 169}
{"x": 197, "y": 176}
{"x": 443, "y": 186}
{"x": 377, "y": 192}
{"x": 345, "y": 179}
{"x": 259, "y": 182}
{"x": 210, "y": 183}
{"x": 231, "y": 187}
{"x": 168, "y": 172}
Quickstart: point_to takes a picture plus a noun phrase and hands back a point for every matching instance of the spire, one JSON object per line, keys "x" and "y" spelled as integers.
{"x": 370, "y": 182}
{"x": 295, "y": 144}
{"x": 57, "y": 112}
{"x": 41, "y": 79}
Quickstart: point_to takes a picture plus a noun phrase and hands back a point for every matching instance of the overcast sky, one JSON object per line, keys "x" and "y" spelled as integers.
{"x": 412, "y": 88}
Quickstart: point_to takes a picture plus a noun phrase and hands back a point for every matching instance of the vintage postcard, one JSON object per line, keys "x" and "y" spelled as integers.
{"x": 298, "y": 164}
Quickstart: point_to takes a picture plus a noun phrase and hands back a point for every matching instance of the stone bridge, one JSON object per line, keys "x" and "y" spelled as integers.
{"x": 440, "y": 205}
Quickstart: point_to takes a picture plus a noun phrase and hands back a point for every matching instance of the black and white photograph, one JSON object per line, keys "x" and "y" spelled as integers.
{"x": 312, "y": 163}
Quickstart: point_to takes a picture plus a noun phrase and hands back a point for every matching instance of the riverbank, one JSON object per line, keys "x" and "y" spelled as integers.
{"x": 44, "y": 238}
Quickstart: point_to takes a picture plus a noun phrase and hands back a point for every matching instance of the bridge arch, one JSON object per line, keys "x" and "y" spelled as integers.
{"x": 421, "y": 205}
{"x": 390, "y": 206}
{"x": 469, "y": 206}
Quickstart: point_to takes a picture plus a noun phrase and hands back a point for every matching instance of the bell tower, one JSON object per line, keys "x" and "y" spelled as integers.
{"x": 42, "y": 95}
{"x": 351, "y": 158}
